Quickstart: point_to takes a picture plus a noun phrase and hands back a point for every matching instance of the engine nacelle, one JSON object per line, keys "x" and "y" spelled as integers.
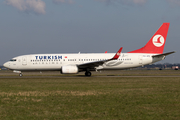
{"x": 69, "y": 69}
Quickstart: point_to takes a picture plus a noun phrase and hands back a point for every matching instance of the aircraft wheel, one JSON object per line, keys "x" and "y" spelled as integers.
{"x": 88, "y": 73}
{"x": 20, "y": 74}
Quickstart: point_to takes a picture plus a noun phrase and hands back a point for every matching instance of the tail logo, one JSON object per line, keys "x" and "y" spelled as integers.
{"x": 158, "y": 40}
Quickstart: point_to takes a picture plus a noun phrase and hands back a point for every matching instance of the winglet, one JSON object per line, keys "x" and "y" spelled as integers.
{"x": 116, "y": 56}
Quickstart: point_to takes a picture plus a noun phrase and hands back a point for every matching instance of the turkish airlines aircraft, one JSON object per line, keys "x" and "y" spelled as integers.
{"x": 75, "y": 63}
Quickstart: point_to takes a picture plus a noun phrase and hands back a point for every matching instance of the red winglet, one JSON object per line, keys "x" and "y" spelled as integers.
{"x": 116, "y": 56}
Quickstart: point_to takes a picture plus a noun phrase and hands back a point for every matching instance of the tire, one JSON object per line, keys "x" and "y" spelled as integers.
{"x": 88, "y": 73}
{"x": 20, "y": 74}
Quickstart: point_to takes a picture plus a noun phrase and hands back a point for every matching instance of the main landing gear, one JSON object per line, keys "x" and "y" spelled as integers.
{"x": 88, "y": 73}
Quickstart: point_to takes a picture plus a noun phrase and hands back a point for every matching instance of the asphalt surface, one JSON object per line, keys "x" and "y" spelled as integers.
{"x": 105, "y": 74}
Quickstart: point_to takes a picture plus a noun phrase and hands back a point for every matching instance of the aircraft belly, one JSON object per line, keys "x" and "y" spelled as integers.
{"x": 39, "y": 67}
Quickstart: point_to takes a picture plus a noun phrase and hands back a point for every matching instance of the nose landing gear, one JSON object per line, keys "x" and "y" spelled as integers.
{"x": 20, "y": 74}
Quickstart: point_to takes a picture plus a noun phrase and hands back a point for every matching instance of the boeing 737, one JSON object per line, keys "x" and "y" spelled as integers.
{"x": 75, "y": 63}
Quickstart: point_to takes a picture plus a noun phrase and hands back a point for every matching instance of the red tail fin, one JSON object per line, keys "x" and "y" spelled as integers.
{"x": 156, "y": 43}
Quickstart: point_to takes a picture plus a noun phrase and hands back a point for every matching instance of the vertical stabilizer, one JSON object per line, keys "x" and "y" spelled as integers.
{"x": 156, "y": 43}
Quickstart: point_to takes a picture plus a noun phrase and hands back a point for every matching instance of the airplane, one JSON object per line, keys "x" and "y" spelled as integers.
{"x": 75, "y": 63}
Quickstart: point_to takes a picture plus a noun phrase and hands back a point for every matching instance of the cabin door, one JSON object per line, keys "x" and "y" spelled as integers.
{"x": 140, "y": 59}
{"x": 24, "y": 61}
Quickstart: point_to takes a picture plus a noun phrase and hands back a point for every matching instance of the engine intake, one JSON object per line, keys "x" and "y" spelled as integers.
{"x": 69, "y": 69}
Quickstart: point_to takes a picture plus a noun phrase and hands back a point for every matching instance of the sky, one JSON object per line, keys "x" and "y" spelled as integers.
{"x": 86, "y": 26}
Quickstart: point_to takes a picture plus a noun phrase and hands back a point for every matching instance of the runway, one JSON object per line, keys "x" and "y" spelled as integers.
{"x": 104, "y": 74}
{"x": 79, "y": 76}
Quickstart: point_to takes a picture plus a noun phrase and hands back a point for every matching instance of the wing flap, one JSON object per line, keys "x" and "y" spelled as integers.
{"x": 92, "y": 65}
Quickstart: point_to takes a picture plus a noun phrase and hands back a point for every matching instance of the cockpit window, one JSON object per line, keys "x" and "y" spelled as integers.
{"x": 13, "y": 60}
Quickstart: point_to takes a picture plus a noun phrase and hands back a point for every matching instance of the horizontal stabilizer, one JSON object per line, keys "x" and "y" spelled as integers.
{"x": 164, "y": 54}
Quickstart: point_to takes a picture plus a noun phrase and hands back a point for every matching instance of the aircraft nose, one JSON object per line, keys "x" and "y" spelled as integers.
{"x": 5, "y": 65}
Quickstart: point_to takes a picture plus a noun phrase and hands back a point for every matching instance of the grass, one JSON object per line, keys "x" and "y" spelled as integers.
{"x": 90, "y": 98}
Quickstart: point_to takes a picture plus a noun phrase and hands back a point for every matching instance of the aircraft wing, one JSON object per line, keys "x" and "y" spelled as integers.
{"x": 92, "y": 65}
{"x": 164, "y": 54}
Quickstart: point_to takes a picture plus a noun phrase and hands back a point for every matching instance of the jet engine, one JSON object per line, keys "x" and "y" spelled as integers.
{"x": 69, "y": 69}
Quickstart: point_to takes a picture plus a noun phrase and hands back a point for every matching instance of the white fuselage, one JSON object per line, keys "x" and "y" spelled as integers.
{"x": 56, "y": 61}
{"x": 74, "y": 63}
